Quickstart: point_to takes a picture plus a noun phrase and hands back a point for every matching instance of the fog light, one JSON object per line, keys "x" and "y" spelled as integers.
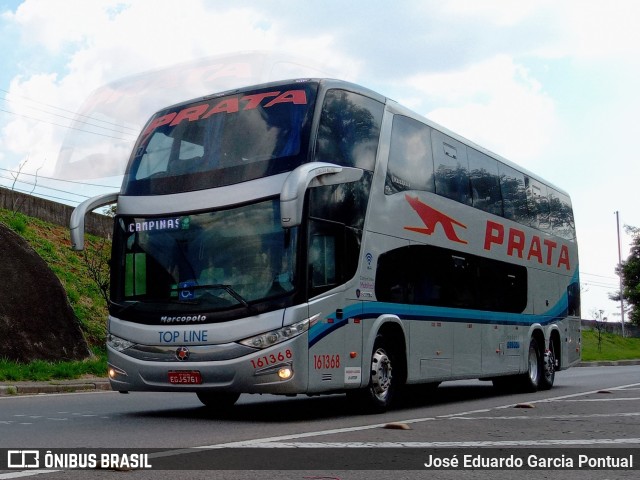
{"x": 285, "y": 373}
{"x": 114, "y": 372}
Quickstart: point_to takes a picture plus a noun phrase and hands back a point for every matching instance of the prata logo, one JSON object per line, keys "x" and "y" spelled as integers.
{"x": 431, "y": 218}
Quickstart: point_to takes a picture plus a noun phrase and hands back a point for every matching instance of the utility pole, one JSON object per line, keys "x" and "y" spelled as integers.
{"x": 620, "y": 271}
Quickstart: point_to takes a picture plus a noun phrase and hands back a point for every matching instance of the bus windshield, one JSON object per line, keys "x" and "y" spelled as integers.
{"x": 206, "y": 261}
{"x": 222, "y": 140}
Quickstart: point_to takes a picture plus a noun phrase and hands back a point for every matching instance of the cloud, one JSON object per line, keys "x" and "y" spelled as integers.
{"x": 495, "y": 103}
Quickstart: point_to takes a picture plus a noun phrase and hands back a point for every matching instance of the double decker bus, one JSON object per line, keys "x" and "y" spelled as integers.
{"x": 312, "y": 236}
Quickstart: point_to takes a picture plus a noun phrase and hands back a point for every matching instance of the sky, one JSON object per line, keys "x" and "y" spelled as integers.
{"x": 548, "y": 84}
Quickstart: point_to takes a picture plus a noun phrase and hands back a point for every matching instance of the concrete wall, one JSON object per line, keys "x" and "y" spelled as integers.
{"x": 612, "y": 327}
{"x": 52, "y": 212}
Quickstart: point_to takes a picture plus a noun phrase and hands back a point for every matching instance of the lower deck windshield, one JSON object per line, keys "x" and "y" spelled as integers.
{"x": 205, "y": 261}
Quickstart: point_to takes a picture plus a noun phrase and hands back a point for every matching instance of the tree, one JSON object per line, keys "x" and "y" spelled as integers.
{"x": 630, "y": 272}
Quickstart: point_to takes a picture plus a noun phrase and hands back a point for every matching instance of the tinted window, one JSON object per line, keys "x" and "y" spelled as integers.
{"x": 428, "y": 275}
{"x": 349, "y": 130}
{"x": 538, "y": 204}
{"x": 410, "y": 159}
{"x": 485, "y": 182}
{"x": 514, "y": 196}
{"x": 451, "y": 168}
{"x": 561, "y": 215}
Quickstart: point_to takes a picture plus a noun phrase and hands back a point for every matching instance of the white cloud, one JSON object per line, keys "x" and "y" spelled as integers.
{"x": 495, "y": 103}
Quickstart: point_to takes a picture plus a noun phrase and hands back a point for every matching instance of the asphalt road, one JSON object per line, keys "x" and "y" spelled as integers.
{"x": 589, "y": 410}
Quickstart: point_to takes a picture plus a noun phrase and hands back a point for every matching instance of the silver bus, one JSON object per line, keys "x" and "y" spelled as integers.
{"x": 312, "y": 236}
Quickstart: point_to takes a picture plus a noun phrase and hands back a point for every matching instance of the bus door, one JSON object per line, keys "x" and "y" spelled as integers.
{"x": 335, "y": 340}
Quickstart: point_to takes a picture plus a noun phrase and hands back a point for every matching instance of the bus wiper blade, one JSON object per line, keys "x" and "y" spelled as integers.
{"x": 227, "y": 288}
{"x": 123, "y": 308}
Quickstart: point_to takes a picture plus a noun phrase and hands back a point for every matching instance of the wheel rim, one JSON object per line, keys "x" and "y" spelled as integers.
{"x": 381, "y": 374}
{"x": 533, "y": 364}
{"x": 549, "y": 365}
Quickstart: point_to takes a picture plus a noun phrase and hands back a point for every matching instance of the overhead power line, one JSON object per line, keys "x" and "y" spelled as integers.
{"x": 15, "y": 172}
{"x": 76, "y": 114}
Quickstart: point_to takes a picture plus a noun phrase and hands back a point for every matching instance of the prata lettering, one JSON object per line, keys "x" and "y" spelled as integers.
{"x": 184, "y": 319}
{"x": 160, "y": 224}
{"x": 543, "y": 251}
{"x": 228, "y": 105}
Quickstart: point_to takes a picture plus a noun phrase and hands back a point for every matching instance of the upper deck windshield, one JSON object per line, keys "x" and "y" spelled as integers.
{"x": 205, "y": 262}
{"x": 223, "y": 140}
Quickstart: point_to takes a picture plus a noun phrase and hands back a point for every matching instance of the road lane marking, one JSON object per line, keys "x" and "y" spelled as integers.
{"x": 26, "y": 473}
{"x": 461, "y": 444}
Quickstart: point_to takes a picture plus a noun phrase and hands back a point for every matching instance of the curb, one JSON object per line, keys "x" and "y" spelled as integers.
{"x": 54, "y": 386}
{"x": 609, "y": 363}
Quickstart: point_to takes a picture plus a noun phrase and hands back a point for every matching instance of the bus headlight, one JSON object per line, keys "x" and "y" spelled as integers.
{"x": 118, "y": 344}
{"x": 274, "y": 337}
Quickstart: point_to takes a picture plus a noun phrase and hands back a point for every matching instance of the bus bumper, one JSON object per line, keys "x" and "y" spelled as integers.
{"x": 280, "y": 369}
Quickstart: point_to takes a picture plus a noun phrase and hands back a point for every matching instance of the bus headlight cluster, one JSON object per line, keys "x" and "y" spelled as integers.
{"x": 274, "y": 337}
{"x": 118, "y": 344}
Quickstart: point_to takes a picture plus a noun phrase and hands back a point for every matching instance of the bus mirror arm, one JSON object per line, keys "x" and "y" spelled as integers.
{"x": 306, "y": 176}
{"x": 76, "y": 224}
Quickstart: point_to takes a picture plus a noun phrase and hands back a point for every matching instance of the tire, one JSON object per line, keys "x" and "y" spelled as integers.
{"x": 385, "y": 377}
{"x": 532, "y": 380}
{"x": 218, "y": 400}
{"x": 548, "y": 369}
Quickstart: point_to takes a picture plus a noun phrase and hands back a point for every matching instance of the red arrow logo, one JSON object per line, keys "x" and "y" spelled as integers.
{"x": 432, "y": 217}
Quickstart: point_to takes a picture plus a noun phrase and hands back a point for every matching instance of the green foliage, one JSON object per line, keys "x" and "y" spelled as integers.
{"x": 630, "y": 270}
{"x": 44, "y": 371}
{"x": 17, "y": 222}
{"x": 613, "y": 347}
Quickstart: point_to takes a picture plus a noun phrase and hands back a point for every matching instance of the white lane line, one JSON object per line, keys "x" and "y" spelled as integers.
{"x": 468, "y": 444}
{"x": 25, "y": 473}
{"x": 602, "y": 400}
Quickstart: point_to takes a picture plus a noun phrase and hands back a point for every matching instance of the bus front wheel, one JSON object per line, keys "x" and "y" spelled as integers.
{"x": 384, "y": 378}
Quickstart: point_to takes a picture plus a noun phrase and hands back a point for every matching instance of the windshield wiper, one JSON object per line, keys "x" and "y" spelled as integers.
{"x": 221, "y": 286}
{"x": 123, "y": 308}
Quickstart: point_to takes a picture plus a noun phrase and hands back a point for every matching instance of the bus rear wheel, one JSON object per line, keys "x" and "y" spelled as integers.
{"x": 218, "y": 400}
{"x": 548, "y": 369}
{"x": 532, "y": 380}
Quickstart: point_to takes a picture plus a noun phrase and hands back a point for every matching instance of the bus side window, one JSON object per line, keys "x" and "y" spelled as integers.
{"x": 451, "y": 168}
{"x": 538, "y": 204}
{"x": 410, "y": 159}
{"x": 429, "y": 275}
{"x": 561, "y": 215}
{"x": 485, "y": 182}
{"x": 349, "y": 130}
{"x": 514, "y": 196}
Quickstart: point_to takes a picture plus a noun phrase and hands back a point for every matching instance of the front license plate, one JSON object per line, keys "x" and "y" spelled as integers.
{"x": 185, "y": 377}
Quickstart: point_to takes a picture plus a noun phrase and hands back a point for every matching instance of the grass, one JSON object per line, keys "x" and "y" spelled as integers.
{"x": 612, "y": 347}
{"x": 40, "y": 371}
